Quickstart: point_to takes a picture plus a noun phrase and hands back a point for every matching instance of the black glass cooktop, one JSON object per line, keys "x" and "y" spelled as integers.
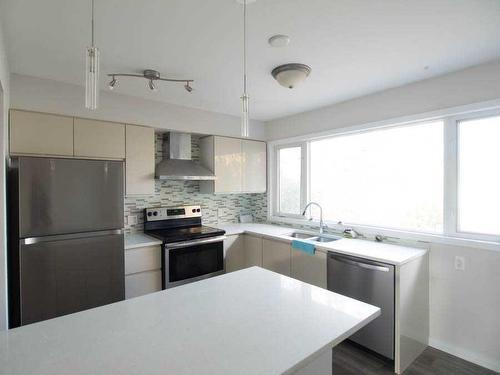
{"x": 185, "y": 234}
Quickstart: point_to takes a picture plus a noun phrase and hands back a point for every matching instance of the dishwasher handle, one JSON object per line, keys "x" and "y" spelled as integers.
{"x": 359, "y": 264}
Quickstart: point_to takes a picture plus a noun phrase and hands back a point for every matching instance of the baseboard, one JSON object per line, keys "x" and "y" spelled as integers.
{"x": 489, "y": 363}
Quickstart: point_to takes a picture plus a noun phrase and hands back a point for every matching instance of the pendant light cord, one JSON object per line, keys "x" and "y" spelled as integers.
{"x": 244, "y": 47}
{"x": 92, "y": 23}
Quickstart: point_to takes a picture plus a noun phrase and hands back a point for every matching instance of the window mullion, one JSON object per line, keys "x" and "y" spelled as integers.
{"x": 450, "y": 209}
{"x": 276, "y": 190}
{"x": 304, "y": 183}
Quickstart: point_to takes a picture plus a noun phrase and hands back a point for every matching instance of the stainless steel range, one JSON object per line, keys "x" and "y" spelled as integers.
{"x": 190, "y": 250}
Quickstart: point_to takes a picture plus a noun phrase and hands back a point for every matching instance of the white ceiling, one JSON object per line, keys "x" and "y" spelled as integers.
{"x": 354, "y": 47}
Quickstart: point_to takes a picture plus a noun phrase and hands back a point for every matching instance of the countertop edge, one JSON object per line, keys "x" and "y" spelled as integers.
{"x": 138, "y": 240}
{"x": 324, "y": 249}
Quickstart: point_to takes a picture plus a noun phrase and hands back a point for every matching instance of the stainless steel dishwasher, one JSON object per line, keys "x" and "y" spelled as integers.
{"x": 373, "y": 283}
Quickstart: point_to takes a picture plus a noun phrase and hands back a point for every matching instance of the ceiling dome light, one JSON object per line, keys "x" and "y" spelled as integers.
{"x": 290, "y": 75}
{"x": 279, "y": 41}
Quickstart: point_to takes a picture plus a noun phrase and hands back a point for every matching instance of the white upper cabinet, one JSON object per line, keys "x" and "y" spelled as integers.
{"x": 140, "y": 160}
{"x": 40, "y": 134}
{"x": 254, "y": 166}
{"x": 228, "y": 162}
{"x": 99, "y": 139}
{"x": 239, "y": 165}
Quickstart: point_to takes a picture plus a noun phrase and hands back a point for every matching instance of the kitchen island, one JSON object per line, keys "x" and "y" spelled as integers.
{"x": 252, "y": 321}
{"x": 269, "y": 246}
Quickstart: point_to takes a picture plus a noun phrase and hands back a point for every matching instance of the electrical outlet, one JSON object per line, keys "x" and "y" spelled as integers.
{"x": 132, "y": 219}
{"x": 220, "y": 213}
{"x": 459, "y": 263}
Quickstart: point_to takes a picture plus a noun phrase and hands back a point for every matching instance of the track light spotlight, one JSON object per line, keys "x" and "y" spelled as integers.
{"x": 187, "y": 87}
{"x": 152, "y": 85}
{"x": 112, "y": 83}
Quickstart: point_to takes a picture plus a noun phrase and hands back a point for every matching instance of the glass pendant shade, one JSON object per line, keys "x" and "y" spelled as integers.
{"x": 245, "y": 119}
{"x": 92, "y": 78}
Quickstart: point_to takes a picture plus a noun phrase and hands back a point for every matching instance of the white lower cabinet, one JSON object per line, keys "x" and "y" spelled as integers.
{"x": 310, "y": 269}
{"x": 234, "y": 253}
{"x": 276, "y": 256}
{"x": 138, "y": 284}
{"x": 142, "y": 271}
{"x": 142, "y": 259}
{"x": 242, "y": 251}
{"x": 253, "y": 250}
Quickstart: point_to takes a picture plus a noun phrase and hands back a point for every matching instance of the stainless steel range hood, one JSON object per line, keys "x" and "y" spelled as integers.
{"x": 179, "y": 166}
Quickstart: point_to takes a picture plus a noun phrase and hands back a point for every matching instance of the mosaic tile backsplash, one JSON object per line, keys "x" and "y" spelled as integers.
{"x": 216, "y": 208}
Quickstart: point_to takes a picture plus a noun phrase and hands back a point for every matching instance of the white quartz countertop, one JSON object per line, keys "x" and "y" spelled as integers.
{"x": 251, "y": 322}
{"x": 377, "y": 251}
{"x": 135, "y": 240}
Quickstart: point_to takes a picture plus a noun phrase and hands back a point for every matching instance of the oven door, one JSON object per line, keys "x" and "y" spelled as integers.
{"x": 188, "y": 261}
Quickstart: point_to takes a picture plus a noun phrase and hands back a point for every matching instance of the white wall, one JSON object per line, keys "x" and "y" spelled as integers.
{"x": 44, "y": 95}
{"x": 464, "y": 305}
{"x": 4, "y": 103}
{"x": 476, "y": 84}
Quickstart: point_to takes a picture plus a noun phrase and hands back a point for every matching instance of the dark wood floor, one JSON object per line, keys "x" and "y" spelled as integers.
{"x": 350, "y": 359}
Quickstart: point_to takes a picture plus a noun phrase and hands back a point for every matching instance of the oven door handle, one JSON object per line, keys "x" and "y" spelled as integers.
{"x": 201, "y": 241}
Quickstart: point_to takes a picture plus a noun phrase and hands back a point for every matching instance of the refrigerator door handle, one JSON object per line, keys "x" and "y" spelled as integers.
{"x": 73, "y": 236}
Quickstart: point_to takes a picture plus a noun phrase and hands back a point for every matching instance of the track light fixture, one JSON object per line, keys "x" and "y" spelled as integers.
{"x": 152, "y": 76}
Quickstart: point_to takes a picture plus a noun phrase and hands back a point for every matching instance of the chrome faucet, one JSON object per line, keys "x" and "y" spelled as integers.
{"x": 322, "y": 224}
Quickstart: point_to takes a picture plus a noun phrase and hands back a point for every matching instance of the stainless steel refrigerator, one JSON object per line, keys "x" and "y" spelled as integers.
{"x": 65, "y": 226}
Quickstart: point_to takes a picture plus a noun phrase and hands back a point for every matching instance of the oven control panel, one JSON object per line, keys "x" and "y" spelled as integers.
{"x": 167, "y": 213}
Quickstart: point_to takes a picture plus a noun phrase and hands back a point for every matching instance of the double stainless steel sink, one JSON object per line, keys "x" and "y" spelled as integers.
{"x": 313, "y": 237}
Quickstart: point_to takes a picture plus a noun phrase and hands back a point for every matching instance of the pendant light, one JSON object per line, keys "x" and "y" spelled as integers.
{"x": 92, "y": 71}
{"x": 244, "y": 97}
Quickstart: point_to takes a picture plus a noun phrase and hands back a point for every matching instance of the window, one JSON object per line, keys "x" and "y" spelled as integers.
{"x": 389, "y": 178}
{"x": 437, "y": 177}
{"x": 290, "y": 176}
{"x": 479, "y": 176}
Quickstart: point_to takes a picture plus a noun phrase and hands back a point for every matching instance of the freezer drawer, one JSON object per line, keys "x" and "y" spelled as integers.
{"x": 373, "y": 283}
{"x": 58, "y": 196}
{"x": 59, "y": 277}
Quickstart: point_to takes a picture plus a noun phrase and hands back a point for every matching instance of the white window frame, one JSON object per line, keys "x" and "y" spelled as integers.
{"x": 450, "y": 235}
{"x": 451, "y": 182}
{"x": 303, "y": 178}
